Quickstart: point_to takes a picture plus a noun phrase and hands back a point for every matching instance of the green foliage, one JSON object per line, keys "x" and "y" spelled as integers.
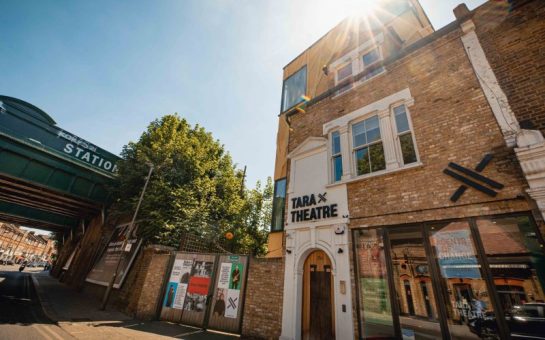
{"x": 194, "y": 188}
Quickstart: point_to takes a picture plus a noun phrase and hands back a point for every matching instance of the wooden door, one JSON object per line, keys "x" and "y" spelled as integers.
{"x": 318, "y": 315}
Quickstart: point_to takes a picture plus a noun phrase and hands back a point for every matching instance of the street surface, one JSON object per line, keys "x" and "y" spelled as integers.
{"x": 21, "y": 316}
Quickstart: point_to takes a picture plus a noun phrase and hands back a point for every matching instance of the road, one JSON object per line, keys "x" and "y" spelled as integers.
{"x": 21, "y": 316}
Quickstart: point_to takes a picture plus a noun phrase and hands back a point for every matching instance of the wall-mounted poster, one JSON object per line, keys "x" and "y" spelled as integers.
{"x": 104, "y": 268}
{"x": 198, "y": 286}
{"x": 171, "y": 294}
{"x": 177, "y": 283}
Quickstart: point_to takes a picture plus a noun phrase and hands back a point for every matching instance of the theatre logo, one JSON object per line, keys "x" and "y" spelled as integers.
{"x": 312, "y": 207}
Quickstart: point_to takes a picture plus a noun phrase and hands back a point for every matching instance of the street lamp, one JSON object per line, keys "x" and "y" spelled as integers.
{"x": 129, "y": 233}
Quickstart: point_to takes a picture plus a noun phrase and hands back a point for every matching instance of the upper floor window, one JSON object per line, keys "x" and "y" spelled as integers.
{"x": 379, "y": 139}
{"x": 368, "y": 148}
{"x": 337, "y": 160}
{"x": 358, "y": 62}
{"x": 279, "y": 203}
{"x": 295, "y": 87}
{"x": 404, "y": 135}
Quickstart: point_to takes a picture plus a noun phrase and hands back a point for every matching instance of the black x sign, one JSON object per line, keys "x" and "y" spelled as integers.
{"x": 471, "y": 177}
{"x": 321, "y": 197}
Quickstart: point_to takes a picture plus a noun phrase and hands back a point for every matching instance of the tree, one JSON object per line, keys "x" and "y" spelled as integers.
{"x": 255, "y": 219}
{"x": 195, "y": 186}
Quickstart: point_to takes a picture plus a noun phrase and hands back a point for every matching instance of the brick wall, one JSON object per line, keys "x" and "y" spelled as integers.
{"x": 452, "y": 123}
{"x": 262, "y": 317}
{"x": 514, "y": 46}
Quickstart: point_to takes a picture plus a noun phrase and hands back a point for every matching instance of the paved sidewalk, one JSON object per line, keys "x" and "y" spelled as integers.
{"x": 78, "y": 314}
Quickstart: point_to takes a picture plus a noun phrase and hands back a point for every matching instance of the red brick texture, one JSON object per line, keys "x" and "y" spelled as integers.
{"x": 514, "y": 46}
{"x": 262, "y": 317}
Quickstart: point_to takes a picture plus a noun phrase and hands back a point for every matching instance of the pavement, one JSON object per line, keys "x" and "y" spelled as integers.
{"x": 77, "y": 315}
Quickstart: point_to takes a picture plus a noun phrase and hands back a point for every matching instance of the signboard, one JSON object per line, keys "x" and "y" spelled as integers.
{"x": 312, "y": 207}
{"x": 32, "y": 127}
{"x": 104, "y": 268}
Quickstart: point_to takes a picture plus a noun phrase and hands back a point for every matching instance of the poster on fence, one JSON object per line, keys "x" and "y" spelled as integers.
{"x": 177, "y": 284}
{"x": 228, "y": 289}
{"x": 115, "y": 253}
{"x": 198, "y": 286}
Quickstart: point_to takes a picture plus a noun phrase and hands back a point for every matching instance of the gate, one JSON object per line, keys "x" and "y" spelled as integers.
{"x": 206, "y": 291}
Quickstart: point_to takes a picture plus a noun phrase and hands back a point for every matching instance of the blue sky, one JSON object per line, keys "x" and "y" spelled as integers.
{"x": 104, "y": 69}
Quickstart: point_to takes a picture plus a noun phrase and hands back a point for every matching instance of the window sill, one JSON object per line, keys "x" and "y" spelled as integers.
{"x": 357, "y": 84}
{"x": 375, "y": 174}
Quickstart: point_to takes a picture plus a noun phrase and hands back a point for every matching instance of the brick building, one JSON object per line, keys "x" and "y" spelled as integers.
{"x": 17, "y": 244}
{"x": 408, "y": 199}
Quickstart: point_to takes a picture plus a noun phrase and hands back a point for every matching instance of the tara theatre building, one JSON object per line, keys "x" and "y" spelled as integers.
{"x": 400, "y": 204}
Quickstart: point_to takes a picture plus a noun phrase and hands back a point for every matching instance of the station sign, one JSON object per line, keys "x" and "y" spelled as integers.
{"x": 35, "y": 127}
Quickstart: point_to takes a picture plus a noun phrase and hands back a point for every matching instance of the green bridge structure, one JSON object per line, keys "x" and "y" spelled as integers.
{"x": 49, "y": 178}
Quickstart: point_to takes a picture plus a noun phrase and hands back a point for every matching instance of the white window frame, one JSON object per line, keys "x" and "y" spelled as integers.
{"x": 332, "y": 156}
{"x": 355, "y": 148}
{"x": 384, "y": 109}
{"x": 356, "y": 58}
{"x": 399, "y": 153}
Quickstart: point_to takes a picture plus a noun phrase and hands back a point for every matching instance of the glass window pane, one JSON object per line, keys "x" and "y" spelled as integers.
{"x": 407, "y": 148}
{"x": 358, "y": 132}
{"x": 335, "y": 136}
{"x": 414, "y": 289}
{"x": 279, "y": 201}
{"x": 376, "y": 314}
{"x": 402, "y": 123}
{"x": 294, "y": 87}
{"x": 469, "y": 309}
{"x": 376, "y": 154}
{"x": 373, "y": 129}
{"x": 517, "y": 264}
{"x": 344, "y": 72}
{"x": 337, "y": 168}
{"x": 362, "y": 161}
{"x": 373, "y": 73}
{"x": 370, "y": 57}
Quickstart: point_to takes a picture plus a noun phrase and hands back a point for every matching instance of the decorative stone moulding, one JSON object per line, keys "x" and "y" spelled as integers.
{"x": 530, "y": 153}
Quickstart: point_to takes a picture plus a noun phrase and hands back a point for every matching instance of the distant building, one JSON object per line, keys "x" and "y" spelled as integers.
{"x": 17, "y": 244}
{"x": 408, "y": 199}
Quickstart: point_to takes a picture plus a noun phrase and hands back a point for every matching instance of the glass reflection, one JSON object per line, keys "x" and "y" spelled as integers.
{"x": 517, "y": 264}
{"x": 414, "y": 290}
{"x": 375, "y": 304}
{"x": 469, "y": 309}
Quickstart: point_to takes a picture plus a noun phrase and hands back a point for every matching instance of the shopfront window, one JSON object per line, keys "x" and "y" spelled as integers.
{"x": 375, "y": 305}
{"x": 465, "y": 294}
{"x": 517, "y": 265}
{"x": 412, "y": 280}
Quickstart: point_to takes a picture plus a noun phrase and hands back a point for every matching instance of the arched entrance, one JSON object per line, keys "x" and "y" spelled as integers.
{"x": 318, "y": 313}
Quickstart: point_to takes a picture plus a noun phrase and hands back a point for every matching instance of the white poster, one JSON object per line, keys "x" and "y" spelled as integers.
{"x": 176, "y": 271}
{"x": 180, "y": 296}
{"x": 232, "y": 303}
{"x": 225, "y": 271}
{"x": 179, "y": 279}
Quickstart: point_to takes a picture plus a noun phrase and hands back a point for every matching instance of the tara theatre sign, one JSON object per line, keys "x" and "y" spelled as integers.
{"x": 312, "y": 207}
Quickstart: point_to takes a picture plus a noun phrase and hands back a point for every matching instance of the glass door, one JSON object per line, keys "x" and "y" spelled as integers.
{"x": 411, "y": 277}
{"x": 517, "y": 265}
{"x": 470, "y": 313}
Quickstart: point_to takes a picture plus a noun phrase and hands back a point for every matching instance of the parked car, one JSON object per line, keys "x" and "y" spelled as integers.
{"x": 527, "y": 321}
